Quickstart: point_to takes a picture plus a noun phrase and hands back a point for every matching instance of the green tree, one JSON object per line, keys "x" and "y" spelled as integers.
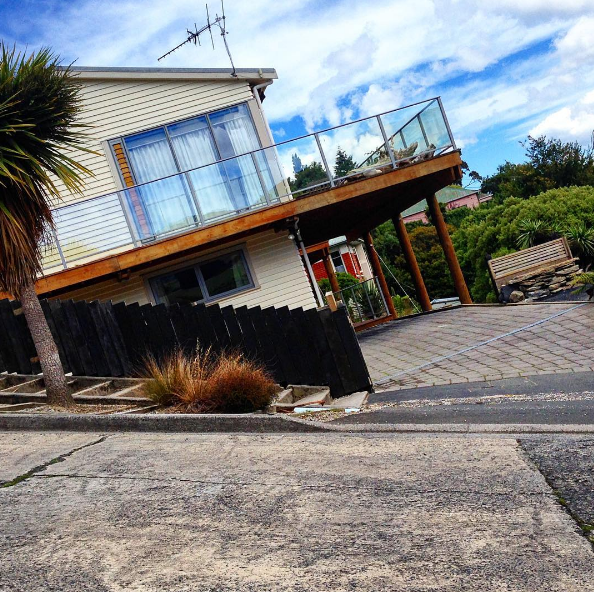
{"x": 550, "y": 164}
{"x": 494, "y": 229}
{"x": 39, "y": 106}
{"x": 310, "y": 174}
{"x": 343, "y": 164}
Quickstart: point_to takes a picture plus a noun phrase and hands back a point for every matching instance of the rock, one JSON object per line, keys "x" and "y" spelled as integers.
{"x": 568, "y": 270}
{"x": 536, "y": 294}
{"x": 516, "y": 296}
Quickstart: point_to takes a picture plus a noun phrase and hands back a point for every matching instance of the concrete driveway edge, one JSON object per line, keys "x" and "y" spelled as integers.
{"x": 195, "y": 423}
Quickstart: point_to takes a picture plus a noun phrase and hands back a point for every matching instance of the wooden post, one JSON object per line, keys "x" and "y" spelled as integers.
{"x": 411, "y": 262}
{"x": 449, "y": 251}
{"x": 330, "y": 271}
{"x": 379, "y": 273}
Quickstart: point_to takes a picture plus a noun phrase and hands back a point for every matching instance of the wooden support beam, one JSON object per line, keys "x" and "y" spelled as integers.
{"x": 379, "y": 273}
{"x": 449, "y": 251}
{"x": 411, "y": 262}
{"x": 330, "y": 271}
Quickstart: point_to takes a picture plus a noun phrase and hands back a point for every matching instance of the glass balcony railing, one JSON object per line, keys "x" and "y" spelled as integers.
{"x": 147, "y": 212}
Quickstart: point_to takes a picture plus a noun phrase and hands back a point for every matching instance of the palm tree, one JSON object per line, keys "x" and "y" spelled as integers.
{"x": 39, "y": 105}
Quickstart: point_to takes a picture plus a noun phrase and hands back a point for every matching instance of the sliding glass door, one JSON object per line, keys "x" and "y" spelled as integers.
{"x": 210, "y": 179}
{"x": 168, "y": 203}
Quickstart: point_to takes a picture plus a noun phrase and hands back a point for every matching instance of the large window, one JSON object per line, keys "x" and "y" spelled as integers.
{"x": 203, "y": 193}
{"x": 209, "y": 280}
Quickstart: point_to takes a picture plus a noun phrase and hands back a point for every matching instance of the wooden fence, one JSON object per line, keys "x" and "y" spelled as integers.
{"x": 297, "y": 346}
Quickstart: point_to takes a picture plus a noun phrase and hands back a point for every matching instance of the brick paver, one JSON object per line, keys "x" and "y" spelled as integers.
{"x": 563, "y": 344}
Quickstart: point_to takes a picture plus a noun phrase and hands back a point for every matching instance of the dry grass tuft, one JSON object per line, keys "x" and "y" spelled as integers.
{"x": 239, "y": 385}
{"x": 208, "y": 383}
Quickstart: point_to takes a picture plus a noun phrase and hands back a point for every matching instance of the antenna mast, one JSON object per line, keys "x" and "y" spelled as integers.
{"x": 194, "y": 36}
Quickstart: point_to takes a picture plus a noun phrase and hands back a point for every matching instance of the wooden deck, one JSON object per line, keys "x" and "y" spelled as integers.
{"x": 351, "y": 209}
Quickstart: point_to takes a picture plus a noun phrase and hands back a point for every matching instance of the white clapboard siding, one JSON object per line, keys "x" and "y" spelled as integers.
{"x": 278, "y": 272}
{"x": 119, "y": 107}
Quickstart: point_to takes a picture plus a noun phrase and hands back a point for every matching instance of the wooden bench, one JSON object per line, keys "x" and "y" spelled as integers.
{"x": 512, "y": 268}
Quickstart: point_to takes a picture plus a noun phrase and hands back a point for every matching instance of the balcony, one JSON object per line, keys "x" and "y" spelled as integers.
{"x": 143, "y": 214}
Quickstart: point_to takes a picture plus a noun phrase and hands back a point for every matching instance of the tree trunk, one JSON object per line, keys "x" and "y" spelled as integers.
{"x": 49, "y": 358}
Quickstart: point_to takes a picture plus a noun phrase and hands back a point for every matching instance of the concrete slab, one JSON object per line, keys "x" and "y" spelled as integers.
{"x": 292, "y": 513}
{"x": 356, "y": 400}
{"x": 23, "y": 451}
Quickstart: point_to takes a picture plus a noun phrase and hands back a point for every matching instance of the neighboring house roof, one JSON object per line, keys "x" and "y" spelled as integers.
{"x": 251, "y": 74}
{"x": 341, "y": 240}
{"x": 445, "y": 195}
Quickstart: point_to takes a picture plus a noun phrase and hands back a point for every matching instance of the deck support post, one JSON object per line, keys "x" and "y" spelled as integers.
{"x": 330, "y": 271}
{"x": 379, "y": 273}
{"x": 411, "y": 262}
{"x": 448, "y": 250}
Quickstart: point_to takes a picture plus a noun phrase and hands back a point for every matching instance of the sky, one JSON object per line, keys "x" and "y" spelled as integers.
{"x": 504, "y": 69}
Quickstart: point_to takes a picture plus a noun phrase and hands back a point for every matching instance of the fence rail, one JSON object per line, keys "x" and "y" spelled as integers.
{"x": 363, "y": 301}
{"x": 297, "y": 346}
{"x": 201, "y": 196}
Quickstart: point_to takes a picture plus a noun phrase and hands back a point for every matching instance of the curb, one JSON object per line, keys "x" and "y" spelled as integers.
{"x": 462, "y": 428}
{"x": 254, "y": 423}
{"x": 168, "y": 423}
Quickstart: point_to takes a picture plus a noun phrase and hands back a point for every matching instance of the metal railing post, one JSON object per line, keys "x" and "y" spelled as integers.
{"x": 423, "y": 130}
{"x": 259, "y": 173}
{"x": 447, "y": 124}
{"x": 59, "y": 248}
{"x": 386, "y": 142}
{"x": 135, "y": 240}
{"x": 330, "y": 177}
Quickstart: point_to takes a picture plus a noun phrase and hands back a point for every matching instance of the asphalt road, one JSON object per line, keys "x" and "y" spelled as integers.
{"x": 575, "y": 412}
{"x": 530, "y": 385}
{"x": 568, "y": 466}
{"x": 290, "y": 513}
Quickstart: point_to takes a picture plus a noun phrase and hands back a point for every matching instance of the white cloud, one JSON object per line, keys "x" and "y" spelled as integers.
{"x": 349, "y": 58}
{"x": 569, "y": 123}
{"x": 577, "y": 45}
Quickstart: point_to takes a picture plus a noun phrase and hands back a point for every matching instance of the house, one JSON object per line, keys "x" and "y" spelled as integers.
{"x": 189, "y": 199}
{"x": 347, "y": 257}
{"x": 453, "y": 197}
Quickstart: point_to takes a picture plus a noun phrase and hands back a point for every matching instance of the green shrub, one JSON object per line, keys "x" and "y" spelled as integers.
{"x": 494, "y": 229}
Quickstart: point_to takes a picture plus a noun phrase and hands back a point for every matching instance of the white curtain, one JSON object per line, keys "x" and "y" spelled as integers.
{"x": 195, "y": 148}
{"x": 167, "y": 202}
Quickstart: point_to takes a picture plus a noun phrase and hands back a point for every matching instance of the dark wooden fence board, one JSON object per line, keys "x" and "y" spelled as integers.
{"x": 10, "y": 362}
{"x": 267, "y": 347}
{"x": 328, "y": 364}
{"x": 63, "y": 327}
{"x": 101, "y": 339}
{"x": 92, "y": 338}
{"x": 16, "y": 339}
{"x": 78, "y": 336}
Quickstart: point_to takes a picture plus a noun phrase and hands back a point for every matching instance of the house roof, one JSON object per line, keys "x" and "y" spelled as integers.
{"x": 445, "y": 195}
{"x": 121, "y": 73}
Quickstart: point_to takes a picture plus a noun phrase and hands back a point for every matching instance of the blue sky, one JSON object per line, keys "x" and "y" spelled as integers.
{"x": 504, "y": 69}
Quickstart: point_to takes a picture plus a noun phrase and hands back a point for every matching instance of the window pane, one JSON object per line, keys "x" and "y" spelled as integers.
{"x": 167, "y": 203}
{"x": 225, "y": 274}
{"x": 192, "y": 142}
{"x": 234, "y": 131}
{"x": 178, "y": 286}
{"x": 150, "y": 155}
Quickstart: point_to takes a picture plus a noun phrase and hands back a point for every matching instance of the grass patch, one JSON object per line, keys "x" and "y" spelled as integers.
{"x": 205, "y": 382}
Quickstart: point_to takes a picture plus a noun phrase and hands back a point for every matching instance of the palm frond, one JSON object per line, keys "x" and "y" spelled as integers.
{"x": 40, "y": 131}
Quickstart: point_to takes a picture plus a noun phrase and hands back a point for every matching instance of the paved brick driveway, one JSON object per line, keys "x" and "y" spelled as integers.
{"x": 448, "y": 347}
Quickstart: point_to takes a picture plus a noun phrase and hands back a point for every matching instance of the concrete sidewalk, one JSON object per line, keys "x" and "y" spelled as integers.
{"x": 181, "y": 512}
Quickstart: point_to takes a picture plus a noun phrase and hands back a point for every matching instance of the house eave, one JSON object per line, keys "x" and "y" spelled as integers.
{"x": 252, "y": 75}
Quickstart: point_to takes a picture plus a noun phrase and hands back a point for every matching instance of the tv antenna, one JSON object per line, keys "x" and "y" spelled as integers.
{"x": 194, "y": 36}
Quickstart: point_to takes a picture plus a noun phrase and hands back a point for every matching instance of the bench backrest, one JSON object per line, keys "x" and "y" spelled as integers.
{"x": 543, "y": 256}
